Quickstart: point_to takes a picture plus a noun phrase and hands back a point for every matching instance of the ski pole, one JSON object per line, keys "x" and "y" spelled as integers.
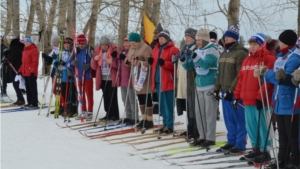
{"x": 174, "y": 94}
{"x": 116, "y": 80}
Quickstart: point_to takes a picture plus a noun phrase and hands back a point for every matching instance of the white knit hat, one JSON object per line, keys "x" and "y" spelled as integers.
{"x": 54, "y": 38}
{"x": 202, "y": 34}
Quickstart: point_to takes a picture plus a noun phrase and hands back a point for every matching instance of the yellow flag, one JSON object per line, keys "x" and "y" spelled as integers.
{"x": 149, "y": 28}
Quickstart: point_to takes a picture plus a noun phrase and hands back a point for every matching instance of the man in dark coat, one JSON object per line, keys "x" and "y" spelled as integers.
{"x": 3, "y": 68}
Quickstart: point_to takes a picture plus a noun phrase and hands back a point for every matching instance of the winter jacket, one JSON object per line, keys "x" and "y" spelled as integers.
{"x": 205, "y": 66}
{"x": 83, "y": 57}
{"x": 15, "y": 56}
{"x": 286, "y": 94}
{"x": 96, "y": 65}
{"x": 124, "y": 72}
{"x": 66, "y": 56}
{"x": 167, "y": 70}
{"x": 30, "y": 61}
{"x": 230, "y": 63}
{"x": 3, "y": 48}
{"x": 247, "y": 87}
{"x": 143, "y": 51}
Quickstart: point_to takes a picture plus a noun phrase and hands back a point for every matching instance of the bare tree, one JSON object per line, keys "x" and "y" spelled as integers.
{"x": 62, "y": 9}
{"x": 30, "y": 19}
{"x": 9, "y": 16}
{"x": 123, "y": 26}
{"x": 71, "y": 17}
{"x": 16, "y": 17}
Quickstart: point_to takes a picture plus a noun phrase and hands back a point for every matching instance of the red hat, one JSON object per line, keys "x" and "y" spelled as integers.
{"x": 81, "y": 39}
{"x": 68, "y": 40}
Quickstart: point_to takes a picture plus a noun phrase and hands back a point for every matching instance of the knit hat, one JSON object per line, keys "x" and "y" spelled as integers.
{"x": 258, "y": 38}
{"x": 28, "y": 39}
{"x": 134, "y": 37}
{"x": 81, "y": 39}
{"x": 126, "y": 38}
{"x": 158, "y": 29}
{"x": 233, "y": 31}
{"x": 165, "y": 33}
{"x": 68, "y": 40}
{"x": 10, "y": 36}
{"x": 213, "y": 35}
{"x": 190, "y": 32}
{"x": 288, "y": 37}
{"x": 202, "y": 34}
{"x": 104, "y": 40}
{"x": 54, "y": 38}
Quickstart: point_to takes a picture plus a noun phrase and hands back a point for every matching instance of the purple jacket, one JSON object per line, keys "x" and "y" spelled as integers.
{"x": 124, "y": 71}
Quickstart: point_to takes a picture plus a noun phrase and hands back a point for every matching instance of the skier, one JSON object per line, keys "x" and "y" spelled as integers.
{"x": 204, "y": 61}
{"x": 67, "y": 79}
{"x": 82, "y": 63}
{"x": 186, "y": 87}
{"x": 106, "y": 72}
{"x": 124, "y": 81}
{"x": 248, "y": 90}
{"x": 29, "y": 70}
{"x": 4, "y": 67}
{"x": 230, "y": 62}
{"x": 156, "y": 33}
{"x": 138, "y": 55}
{"x": 163, "y": 78}
{"x": 288, "y": 60}
{"x": 14, "y": 56}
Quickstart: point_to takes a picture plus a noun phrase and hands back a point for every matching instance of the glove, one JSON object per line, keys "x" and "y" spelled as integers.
{"x": 6, "y": 52}
{"x": 114, "y": 54}
{"x": 54, "y": 56}
{"x": 174, "y": 59}
{"x": 280, "y": 75}
{"x": 32, "y": 75}
{"x": 150, "y": 60}
{"x": 189, "y": 52}
{"x": 122, "y": 56}
{"x": 295, "y": 83}
{"x": 74, "y": 63}
{"x": 182, "y": 59}
{"x": 161, "y": 62}
{"x": 194, "y": 55}
{"x": 296, "y": 75}
{"x": 86, "y": 66}
{"x": 228, "y": 96}
{"x": 47, "y": 59}
{"x": 261, "y": 71}
{"x": 216, "y": 95}
{"x": 259, "y": 104}
{"x": 236, "y": 104}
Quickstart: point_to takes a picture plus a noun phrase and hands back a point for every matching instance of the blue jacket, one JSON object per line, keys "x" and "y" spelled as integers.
{"x": 65, "y": 58}
{"x": 205, "y": 67}
{"x": 286, "y": 94}
{"x": 83, "y": 57}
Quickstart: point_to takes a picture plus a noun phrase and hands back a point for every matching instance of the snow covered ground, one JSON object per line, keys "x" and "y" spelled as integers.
{"x": 29, "y": 141}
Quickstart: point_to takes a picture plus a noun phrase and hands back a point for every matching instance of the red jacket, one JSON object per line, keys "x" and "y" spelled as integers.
{"x": 167, "y": 70}
{"x": 30, "y": 61}
{"x": 247, "y": 87}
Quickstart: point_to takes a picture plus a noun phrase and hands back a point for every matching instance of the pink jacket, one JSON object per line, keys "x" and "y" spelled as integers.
{"x": 96, "y": 65}
{"x": 124, "y": 72}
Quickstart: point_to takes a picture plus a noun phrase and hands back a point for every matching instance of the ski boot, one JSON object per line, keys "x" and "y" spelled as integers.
{"x": 197, "y": 143}
{"x": 253, "y": 154}
{"x": 148, "y": 125}
{"x": 225, "y": 148}
{"x": 166, "y": 130}
{"x": 273, "y": 165}
{"x": 206, "y": 144}
{"x": 263, "y": 160}
{"x": 236, "y": 151}
{"x": 159, "y": 130}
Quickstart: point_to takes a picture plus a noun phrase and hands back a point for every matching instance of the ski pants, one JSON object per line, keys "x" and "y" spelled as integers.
{"x": 110, "y": 98}
{"x": 129, "y": 103}
{"x": 288, "y": 134}
{"x": 166, "y": 106}
{"x": 68, "y": 97}
{"x": 205, "y": 114}
{"x": 31, "y": 89}
{"x": 88, "y": 95}
{"x": 18, "y": 91}
{"x": 235, "y": 123}
{"x": 252, "y": 117}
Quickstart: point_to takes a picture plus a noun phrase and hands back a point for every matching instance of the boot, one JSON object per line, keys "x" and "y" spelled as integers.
{"x": 149, "y": 121}
{"x": 236, "y": 151}
{"x": 207, "y": 143}
{"x": 155, "y": 108}
{"x": 253, "y": 154}
{"x": 167, "y": 130}
{"x": 264, "y": 157}
{"x": 273, "y": 165}
{"x": 197, "y": 142}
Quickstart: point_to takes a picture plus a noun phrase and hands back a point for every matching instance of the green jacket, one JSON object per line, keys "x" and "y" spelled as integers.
{"x": 230, "y": 63}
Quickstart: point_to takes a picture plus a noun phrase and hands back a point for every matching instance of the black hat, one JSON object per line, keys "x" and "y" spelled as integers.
{"x": 190, "y": 32}
{"x": 212, "y": 35}
{"x": 288, "y": 37}
{"x": 158, "y": 29}
{"x": 165, "y": 33}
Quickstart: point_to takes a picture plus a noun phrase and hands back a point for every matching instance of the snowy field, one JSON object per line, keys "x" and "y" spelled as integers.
{"x": 29, "y": 141}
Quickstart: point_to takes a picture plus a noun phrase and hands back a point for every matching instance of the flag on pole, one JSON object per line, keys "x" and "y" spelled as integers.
{"x": 149, "y": 28}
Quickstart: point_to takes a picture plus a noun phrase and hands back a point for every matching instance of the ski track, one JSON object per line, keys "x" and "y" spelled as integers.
{"x": 29, "y": 141}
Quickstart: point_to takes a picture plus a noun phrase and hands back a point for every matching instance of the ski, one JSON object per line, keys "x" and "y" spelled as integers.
{"x": 164, "y": 150}
{"x": 148, "y": 141}
{"x": 9, "y": 106}
{"x": 74, "y": 125}
{"x": 161, "y": 145}
{"x": 194, "y": 162}
{"x": 20, "y": 109}
{"x": 90, "y": 125}
{"x": 218, "y": 144}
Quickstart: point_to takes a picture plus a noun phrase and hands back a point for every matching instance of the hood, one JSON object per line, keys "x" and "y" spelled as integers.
{"x": 32, "y": 46}
{"x": 16, "y": 42}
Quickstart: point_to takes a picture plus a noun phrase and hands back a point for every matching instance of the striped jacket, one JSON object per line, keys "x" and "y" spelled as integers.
{"x": 229, "y": 65}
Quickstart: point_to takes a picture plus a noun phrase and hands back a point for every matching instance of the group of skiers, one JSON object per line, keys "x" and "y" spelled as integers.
{"x": 256, "y": 87}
